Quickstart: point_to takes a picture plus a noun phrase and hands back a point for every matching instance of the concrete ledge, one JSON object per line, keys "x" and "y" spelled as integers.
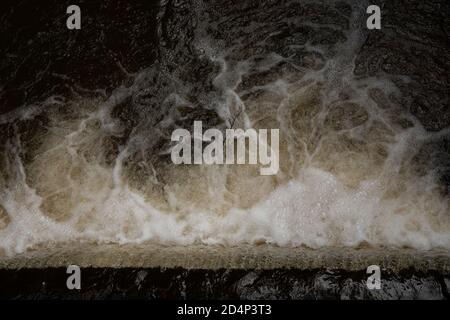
{"x": 217, "y": 257}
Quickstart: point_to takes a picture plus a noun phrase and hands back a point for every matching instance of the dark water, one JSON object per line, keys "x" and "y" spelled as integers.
{"x": 178, "y": 283}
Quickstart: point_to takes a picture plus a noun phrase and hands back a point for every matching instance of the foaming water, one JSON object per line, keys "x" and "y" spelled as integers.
{"x": 352, "y": 166}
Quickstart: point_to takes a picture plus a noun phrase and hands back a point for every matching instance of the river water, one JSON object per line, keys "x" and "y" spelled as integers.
{"x": 86, "y": 118}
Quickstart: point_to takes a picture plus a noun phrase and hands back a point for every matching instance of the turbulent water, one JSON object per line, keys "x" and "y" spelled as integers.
{"x": 364, "y": 136}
